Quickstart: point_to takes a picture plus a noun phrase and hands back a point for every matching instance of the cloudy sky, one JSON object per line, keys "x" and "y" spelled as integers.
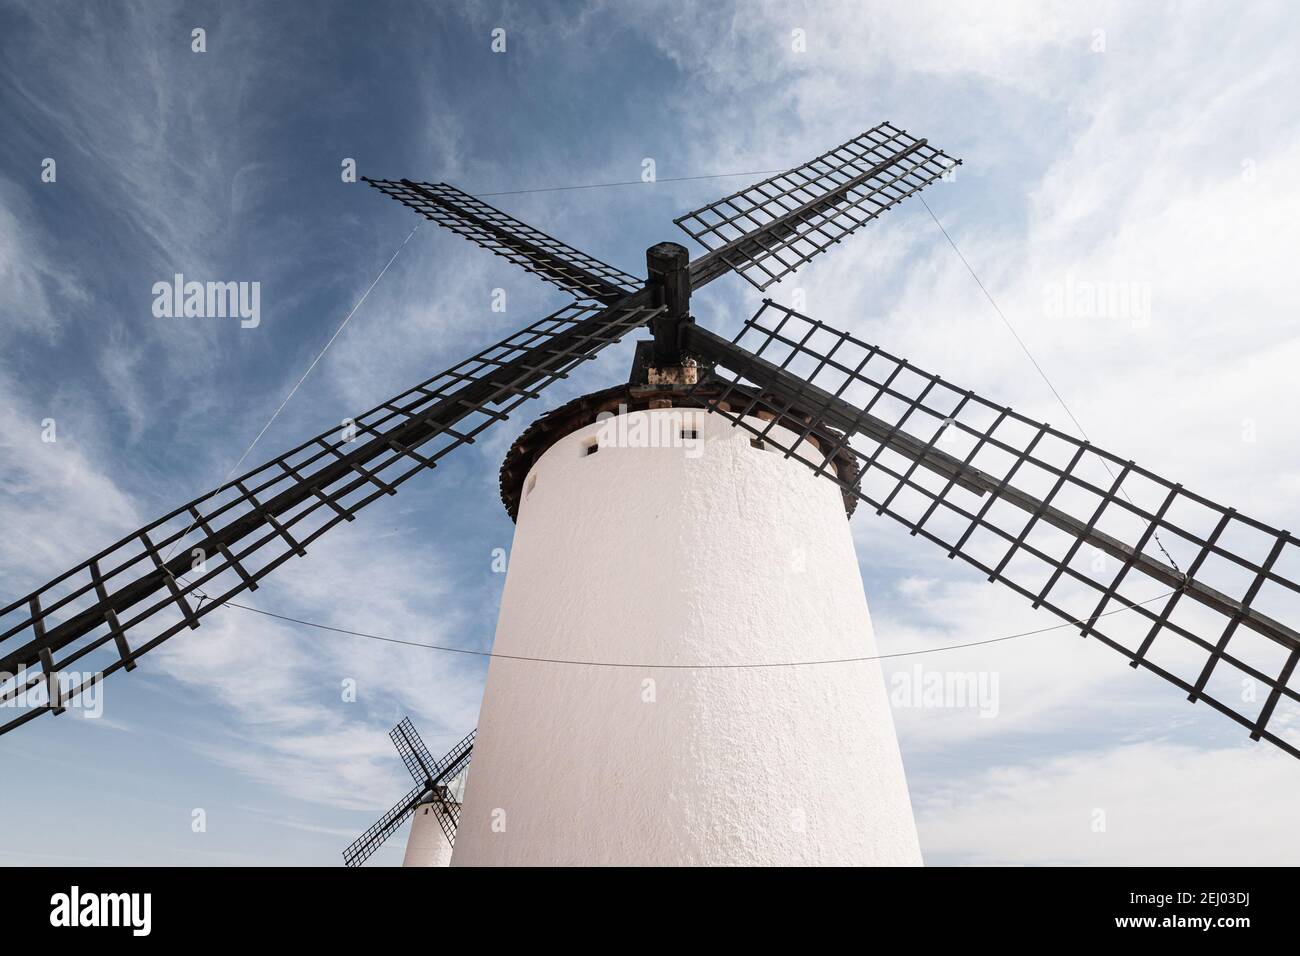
{"x": 1145, "y": 145}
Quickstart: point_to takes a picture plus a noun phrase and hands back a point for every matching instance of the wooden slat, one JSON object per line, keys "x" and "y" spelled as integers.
{"x": 177, "y": 595}
{"x": 114, "y": 625}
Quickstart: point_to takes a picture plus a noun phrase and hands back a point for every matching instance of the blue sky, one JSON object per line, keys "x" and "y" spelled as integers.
{"x": 1101, "y": 143}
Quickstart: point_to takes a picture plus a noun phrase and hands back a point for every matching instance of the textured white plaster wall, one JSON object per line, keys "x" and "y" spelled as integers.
{"x": 718, "y": 553}
{"x": 426, "y": 845}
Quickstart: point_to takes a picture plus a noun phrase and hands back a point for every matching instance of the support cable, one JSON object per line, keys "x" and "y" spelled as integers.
{"x": 748, "y": 666}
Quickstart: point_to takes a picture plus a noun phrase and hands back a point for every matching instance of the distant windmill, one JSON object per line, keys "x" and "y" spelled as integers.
{"x": 434, "y": 803}
{"x": 682, "y": 666}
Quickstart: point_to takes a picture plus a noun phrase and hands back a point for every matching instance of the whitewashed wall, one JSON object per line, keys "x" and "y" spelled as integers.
{"x": 715, "y": 553}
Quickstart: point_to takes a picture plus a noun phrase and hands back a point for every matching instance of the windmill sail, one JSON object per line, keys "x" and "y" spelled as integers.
{"x": 435, "y": 782}
{"x": 768, "y": 230}
{"x": 518, "y": 242}
{"x": 364, "y": 846}
{"x": 1202, "y": 588}
{"x": 419, "y": 762}
{"x": 129, "y": 598}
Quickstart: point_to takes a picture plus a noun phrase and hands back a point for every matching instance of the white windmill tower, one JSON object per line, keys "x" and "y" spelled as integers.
{"x": 666, "y": 546}
{"x": 683, "y": 669}
{"x": 614, "y": 727}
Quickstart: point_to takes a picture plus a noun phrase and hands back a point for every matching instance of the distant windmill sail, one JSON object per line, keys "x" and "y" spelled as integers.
{"x": 433, "y": 779}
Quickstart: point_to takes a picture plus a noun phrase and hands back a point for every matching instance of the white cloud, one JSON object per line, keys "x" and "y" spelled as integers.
{"x": 1160, "y": 805}
{"x": 56, "y": 500}
{"x": 284, "y": 684}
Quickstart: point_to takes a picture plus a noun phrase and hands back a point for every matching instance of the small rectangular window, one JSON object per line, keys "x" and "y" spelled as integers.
{"x": 591, "y": 447}
{"x": 689, "y": 434}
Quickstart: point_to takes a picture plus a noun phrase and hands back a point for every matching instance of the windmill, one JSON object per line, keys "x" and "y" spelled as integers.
{"x": 434, "y": 802}
{"x": 679, "y": 672}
